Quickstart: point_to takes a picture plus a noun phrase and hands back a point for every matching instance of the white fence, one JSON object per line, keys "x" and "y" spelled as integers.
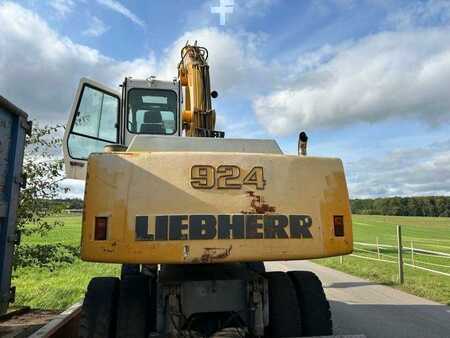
{"x": 390, "y": 254}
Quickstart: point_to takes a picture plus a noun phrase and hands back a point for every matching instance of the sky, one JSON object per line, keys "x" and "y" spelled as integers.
{"x": 368, "y": 80}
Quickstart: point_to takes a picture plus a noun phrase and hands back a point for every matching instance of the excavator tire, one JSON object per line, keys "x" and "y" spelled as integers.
{"x": 256, "y": 267}
{"x": 284, "y": 312}
{"x": 314, "y": 307}
{"x": 133, "y": 309}
{"x": 129, "y": 269}
{"x": 98, "y": 313}
{"x": 151, "y": 316}
{"x": 230, "y": 332}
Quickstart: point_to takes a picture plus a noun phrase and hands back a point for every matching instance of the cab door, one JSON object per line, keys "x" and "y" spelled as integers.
{"x": 93, "y": 124}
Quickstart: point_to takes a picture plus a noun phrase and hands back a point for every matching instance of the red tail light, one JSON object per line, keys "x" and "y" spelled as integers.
{"x": 101, "y": 228}
{"x": 339, "y": 226}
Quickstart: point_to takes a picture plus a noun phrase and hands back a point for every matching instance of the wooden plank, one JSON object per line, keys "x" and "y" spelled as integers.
{"x": 64, "y": 325}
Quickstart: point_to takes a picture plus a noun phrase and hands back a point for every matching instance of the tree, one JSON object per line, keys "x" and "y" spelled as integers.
{"x": 404, "y": 206}
{"x": 42, "y": 167}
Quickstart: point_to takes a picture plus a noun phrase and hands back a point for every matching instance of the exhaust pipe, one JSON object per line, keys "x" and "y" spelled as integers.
{"x": 302, "y": 144}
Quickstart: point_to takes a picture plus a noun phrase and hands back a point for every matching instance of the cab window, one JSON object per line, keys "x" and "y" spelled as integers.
{"x": 152, "y": 111}
{"x": 94, "y": 124}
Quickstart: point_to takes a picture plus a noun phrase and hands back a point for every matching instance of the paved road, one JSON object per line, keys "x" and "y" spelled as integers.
{"x": 363, "y": 307}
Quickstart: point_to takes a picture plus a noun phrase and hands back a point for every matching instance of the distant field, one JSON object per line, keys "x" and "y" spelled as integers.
{"x": 41, "y": 288}
{"x": 68, "y": 234}
{"x": 430, "y": 233}
{"x": 427, "y": 233}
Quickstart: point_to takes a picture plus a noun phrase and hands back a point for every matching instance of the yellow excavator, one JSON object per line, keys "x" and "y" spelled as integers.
{"x": 191, "y": 216}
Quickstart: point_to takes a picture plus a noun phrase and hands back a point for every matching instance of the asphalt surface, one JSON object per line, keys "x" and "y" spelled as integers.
{"x": 362, "y": 307}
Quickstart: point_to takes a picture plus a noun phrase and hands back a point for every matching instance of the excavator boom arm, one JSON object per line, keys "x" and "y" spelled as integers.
{"x": 193, "y": 72}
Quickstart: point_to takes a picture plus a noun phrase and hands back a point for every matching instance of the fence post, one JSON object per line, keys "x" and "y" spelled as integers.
{"x": 341, "y": 259}
{"x": 378, "y": 250}
{"x": 400, "y": 254}
{"x": 412, "y": 253}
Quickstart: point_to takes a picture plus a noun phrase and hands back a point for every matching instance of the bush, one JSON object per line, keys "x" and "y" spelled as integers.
{"x": 48, "y": 256}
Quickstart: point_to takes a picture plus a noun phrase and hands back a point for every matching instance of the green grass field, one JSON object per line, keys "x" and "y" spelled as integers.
{"x": 434, "y": 237}
{"x": 427, "y": 233}
{"x": 41, "y": 288}
{"x": 58, "y": 289}
{"x": 68, "y": 234}
{"x": 430, "y": 233}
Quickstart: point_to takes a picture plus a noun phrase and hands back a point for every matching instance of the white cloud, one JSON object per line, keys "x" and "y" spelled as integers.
{"x": 417, "y": 171}
{"x": 420, "y": 14}
{"x": 41, "y": 69}
{"x": 76, "y": 188}
{"x": 389, "y": 74}
{"x": 121, "y": 9}
{"x": 96, "y": 28}
{"x": 62, "y": 7}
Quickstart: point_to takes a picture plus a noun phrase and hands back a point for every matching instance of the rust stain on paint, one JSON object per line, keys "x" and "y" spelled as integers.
{"x": 211, "y": 254}
{"x": 258, "y": 205}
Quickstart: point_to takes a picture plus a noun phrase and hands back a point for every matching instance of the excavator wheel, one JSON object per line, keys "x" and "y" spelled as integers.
{"x": 135, "y": 310}
{"x": 256, "y": 267}
{"x": 230, "y": 332}
{"x": 98, "y": 313}
{"x": 129, "y": 269}
{"x": 314, "y": 307}
{"x": 284, "y": 312}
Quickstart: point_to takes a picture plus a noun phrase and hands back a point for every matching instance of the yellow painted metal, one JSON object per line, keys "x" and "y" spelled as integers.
{"x": 121, "y": 186}
{"x": 193, "y": 73}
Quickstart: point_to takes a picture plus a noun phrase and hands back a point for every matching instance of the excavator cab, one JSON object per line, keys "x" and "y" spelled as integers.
{"x": 101, "y": 116}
